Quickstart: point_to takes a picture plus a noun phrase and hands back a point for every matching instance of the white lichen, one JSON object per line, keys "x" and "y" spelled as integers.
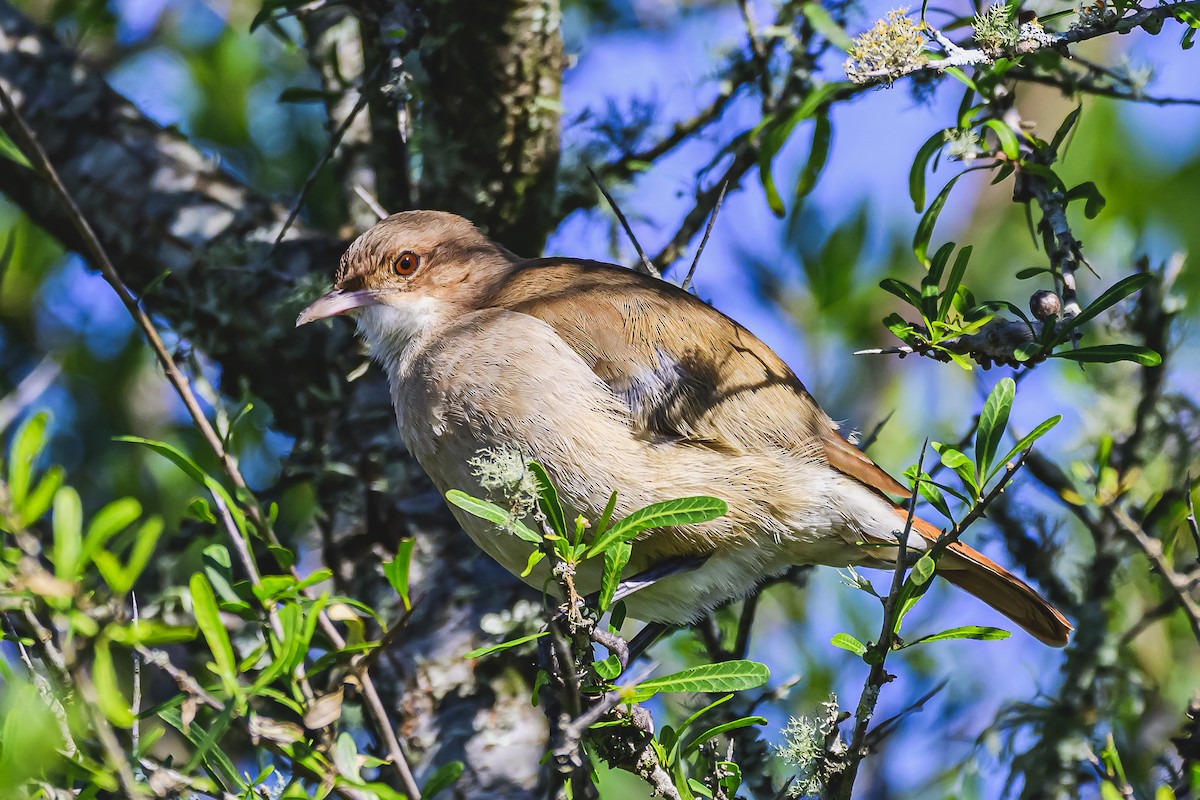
{"x": 505, "y": 475}
{"x": 893, "y": 47}
{"x": 813, "y": 745}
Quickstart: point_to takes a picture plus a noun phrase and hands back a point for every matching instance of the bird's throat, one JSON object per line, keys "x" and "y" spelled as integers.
{"x": 392, "y": 329}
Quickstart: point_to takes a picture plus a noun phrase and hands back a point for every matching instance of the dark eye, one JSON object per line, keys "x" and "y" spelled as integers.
{"x": 407, "y": 263}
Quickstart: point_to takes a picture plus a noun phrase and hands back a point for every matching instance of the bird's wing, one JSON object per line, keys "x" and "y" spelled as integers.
{"x": 685, "y": 370}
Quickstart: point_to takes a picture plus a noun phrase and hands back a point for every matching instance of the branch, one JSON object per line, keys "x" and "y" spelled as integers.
{"x": 1032, "y": 38}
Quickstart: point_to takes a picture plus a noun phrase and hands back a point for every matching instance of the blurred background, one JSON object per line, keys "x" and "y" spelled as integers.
{"x": 806, "y": 283}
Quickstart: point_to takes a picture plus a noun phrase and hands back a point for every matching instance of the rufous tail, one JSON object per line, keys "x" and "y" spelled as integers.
{"x": 975, "y": 573}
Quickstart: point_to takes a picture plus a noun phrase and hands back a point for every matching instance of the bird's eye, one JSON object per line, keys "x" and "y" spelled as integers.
{"x": 407, "y": 263}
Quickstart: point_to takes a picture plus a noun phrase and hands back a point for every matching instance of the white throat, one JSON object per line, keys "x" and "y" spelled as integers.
{"x": 390, "y": 330}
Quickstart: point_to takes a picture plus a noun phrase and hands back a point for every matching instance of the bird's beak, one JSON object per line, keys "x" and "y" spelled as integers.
{"x": 337, "y": 302}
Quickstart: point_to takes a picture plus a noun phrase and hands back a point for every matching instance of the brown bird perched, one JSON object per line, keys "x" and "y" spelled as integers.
{"x": 615, "y": 380}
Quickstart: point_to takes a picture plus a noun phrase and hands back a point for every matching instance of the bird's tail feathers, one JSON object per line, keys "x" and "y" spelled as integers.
{"x": 975, "y": 573}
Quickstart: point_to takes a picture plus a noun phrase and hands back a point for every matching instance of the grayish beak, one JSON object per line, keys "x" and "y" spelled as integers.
{"x": 336, "y": 302}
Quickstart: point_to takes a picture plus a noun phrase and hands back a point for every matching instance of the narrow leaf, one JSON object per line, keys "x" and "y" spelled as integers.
{"x": 548, "y": 499}
{"x": 929, "y": 219}
{"x": 980, "y": 632}
{"x": 492, "y": 513}
{"x": 443, "y": 778}
{"x": 954, "y": 281}
{"x": 916, "y": 175}
{"x": 848, "y": 642}
{"x": 724, "y": 676}
{"x": 993, "y": 420}
{"x": 1110, "y": 353}
{"x": 818, "y": 152}
{"x": 497, "y": 648}
{"x": 68, "y": 539}
{"x": 825, "y": 25}
{"x": 615, "y": 559}
{"x": 208, "y": 617}
{"x": 397, "y": 570}
{"x": 1113, "y": 295}
{"x": 684, "y": 511}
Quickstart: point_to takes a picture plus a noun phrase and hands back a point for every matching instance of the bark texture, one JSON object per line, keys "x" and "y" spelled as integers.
{"x": 490, "y": 115}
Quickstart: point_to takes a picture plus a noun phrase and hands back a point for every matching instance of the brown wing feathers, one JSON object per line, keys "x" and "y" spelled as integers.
{"x": 734, "y": 382}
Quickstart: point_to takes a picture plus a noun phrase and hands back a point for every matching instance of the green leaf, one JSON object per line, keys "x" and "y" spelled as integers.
{"x": 608, "y": 668}
{"x": 121, "y": 577}
{"x": 110, "y": 699}
{"x": 1065, "y": 128}
{"x": 615, "y": 559}
{"x": 68, "y": 536}
{"x": 923, "y": 570}
{"x": 818, "y": 152}
{"x": 980, "y": 632}
{"x": 1006, "y": 137}
{"x": 9, "y": 150}
{"x": 957, "y": 461}
{"x": 929, "y": 219}
{"x": 497, "y": 648}
{"x": 1113, "y": 295}
{"x": 492, "y": 513}
{"x": 207, "y": 742}
{"x": 902, "y": 290}
{"x": 108, "y": 522}
{"x": 548, "y": 500}
{"x": 916, "y": 175}
{"x": 208, "y": 617}
{"x": 149, "y": 633}
{"x": 535, "y": 558}
{"x": 848, "y": 642}
{"x": 443, "y": 778}
{"x": 717, "y": 730}
{"x": 1029, "y": 438}
{"x": 954, "y": 281}
{"x": 993, "y": 421}
{"x": 397, "y": 570}
{"x": 825, "y": 25}
{"x": 1093, "y": 201}
{"x": 1026, "y": 351}
{"x": 606, "y": 517}
{"x": 724, "y": 676}
{"x": 684, "y": 511}
{"x": 27, "y": 444}
{"x": 1110, "y": 353}
{"x": 173, "y": 454}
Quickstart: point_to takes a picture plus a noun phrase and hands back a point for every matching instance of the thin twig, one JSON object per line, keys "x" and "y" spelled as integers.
{"x": 877, "y": 675}
{"x": 712, "y": 219}
{"x": 371, "y": 201}
{"x": 1191, "y": 514}
{"x": 114, "y": 755}
{"x": 29, "y": 389}
{"x": 46, "y": 691}
{"x": 135, "y": 706}
{"x": 647, "y": 265}
{"x": 759, "y": 52}
{"x": 1152, "y": 548}
{"x": 1070, "y": 86}
{"x": 334, "y": 141}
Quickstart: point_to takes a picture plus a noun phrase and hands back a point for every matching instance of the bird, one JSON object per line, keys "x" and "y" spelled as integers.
{"x": 614, "y": 380}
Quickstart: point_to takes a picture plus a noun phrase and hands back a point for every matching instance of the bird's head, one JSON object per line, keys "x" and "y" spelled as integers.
{"x": 409, "y": 273}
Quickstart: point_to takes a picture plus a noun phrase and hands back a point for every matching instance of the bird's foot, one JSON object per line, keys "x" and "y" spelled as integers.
{"x": 613, "y": 643}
